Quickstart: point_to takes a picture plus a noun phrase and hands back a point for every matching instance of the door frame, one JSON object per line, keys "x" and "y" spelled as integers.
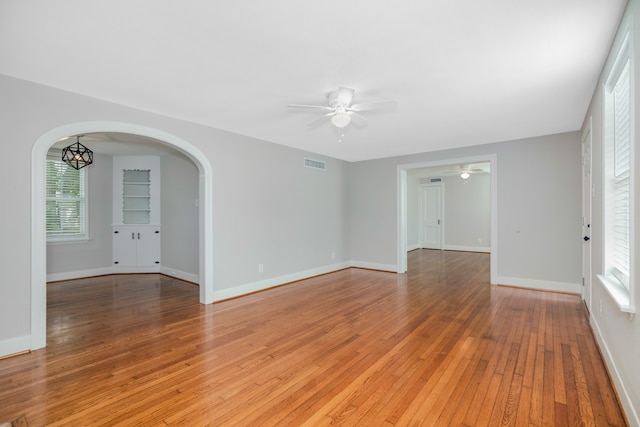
{"x": 441, "y": 230}
{"x": 38, "y": 225}
{"x": 401, "y": 229}
{"x": 587, "y": 211}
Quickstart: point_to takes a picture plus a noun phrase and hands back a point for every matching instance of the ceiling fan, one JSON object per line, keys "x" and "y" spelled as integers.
{"x": 340, "y": 110}
{"x": 465, "y": 171}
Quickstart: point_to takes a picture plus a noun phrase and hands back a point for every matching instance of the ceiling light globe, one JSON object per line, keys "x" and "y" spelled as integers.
{"x": 340, "y": 120}
{"x": 464, "y": 175}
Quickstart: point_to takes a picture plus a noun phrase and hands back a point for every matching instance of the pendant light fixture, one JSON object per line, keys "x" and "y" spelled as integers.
{"x": 77, "y": 155}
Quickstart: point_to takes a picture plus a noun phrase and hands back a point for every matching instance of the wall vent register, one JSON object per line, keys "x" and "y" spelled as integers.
{"x": 315, "y": 164}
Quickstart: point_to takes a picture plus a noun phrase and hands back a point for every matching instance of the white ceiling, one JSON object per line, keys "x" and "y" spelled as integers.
{"x": 463, "y": 72}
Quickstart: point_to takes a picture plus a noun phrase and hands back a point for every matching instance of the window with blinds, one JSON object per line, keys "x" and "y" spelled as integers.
{"x": 618, "y": 172}
{"x": 65, "y": 201}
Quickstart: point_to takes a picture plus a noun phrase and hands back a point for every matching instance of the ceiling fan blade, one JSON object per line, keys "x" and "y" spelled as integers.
{"x": 345, "y": 95}
{"x": 357, "y": 119}
{"x": 319, "y": 120}
{"x": 321, "y": 107}
{"x": 377, "y": 105}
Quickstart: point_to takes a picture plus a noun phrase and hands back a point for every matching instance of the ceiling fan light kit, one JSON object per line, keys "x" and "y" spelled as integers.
{"x": 341, "y": 120}
{"x": 341, "y": 112}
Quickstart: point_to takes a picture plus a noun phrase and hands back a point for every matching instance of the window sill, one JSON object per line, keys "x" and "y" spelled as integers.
{"x": 620, "y": 294}
{"x": 68, "y": 241}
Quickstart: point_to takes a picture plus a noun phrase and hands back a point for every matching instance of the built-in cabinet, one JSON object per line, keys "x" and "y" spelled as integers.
{"x": 136, "y": 213}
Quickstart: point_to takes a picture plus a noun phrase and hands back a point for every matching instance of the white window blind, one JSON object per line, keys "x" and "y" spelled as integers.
{"x": 65, "y": 201}
{"x": 621, "y": 174}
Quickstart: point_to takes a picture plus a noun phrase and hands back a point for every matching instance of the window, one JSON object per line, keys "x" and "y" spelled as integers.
{"x": 617, "y": 170}
{"x": 618, "y": 179}
{"x": 65, "y": 202}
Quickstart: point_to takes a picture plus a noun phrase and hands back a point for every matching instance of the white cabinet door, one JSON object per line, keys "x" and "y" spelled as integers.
{"x": 148, "y": 253}
{"x": 125, "y": 247}
{"x": 136, "y": 247}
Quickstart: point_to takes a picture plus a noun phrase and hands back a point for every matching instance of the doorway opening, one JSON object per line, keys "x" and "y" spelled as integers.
{"x": 38, "y": 225}
{"x": 403, "y": 200}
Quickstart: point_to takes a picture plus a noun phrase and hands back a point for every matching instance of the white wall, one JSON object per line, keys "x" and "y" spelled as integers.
{"x": 267, "y": 207}
{"x": 180, "y": 227}
{"x": 467, "y": 206}
{"x": 538, "y": 182}
{"x": 618, "y": 336}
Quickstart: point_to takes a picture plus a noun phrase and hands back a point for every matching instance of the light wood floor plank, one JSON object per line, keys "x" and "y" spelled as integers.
{"x": 438, "y": 346}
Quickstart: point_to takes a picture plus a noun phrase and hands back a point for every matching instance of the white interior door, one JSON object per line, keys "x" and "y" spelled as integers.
{"x": 431, "y": 217}
{"x": 587, "y": 194}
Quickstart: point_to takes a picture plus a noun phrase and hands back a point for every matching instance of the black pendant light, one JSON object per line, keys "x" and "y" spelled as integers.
{"x": 77, "y": 155}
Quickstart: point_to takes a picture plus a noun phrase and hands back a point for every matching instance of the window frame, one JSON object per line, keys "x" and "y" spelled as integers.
{"x": 619, "y": 284}
{"x": 84, "y": 221}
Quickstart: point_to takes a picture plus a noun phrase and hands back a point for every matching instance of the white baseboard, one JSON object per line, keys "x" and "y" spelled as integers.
{"x": 375, "y": 266}
{"x": 126, "y": 270}
{"x": 467, "y": 248}
{"x": 276, "y": 281}
{"x": 543, "y": 285}
{"x": 189, "y": 277}
{"x": 15, "y": 345}
{"x": 627, "y": 403}
{"x": 413, "y": 247}
{"x": 70, "y": 275}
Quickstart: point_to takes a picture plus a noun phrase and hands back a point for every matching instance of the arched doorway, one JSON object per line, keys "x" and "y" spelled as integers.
{"x": 38, "y": 226}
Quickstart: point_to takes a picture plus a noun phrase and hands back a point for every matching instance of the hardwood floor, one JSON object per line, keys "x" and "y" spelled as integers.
{"x": 437, "y": 346}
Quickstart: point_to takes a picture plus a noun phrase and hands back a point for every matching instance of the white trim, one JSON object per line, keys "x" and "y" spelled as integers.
{"x": 38, "y": 227}
{"x": 401, "y": 230}
{"x": 543, "y": 285}
{"x": 182, "y": 275}
{"x": 618, "y": 293}
{"x": 375, "y": 266}
{"x": 14, "y": 345}
{"x": 467, "y": 248}
{"x": 276, "y": 281}
{"x": 623, "y": 394}
{"x": 68, "y": 241}
{"x": 80, "y": 274}
{"x": 413, "y": 247}
{"x": 401, "y": 235}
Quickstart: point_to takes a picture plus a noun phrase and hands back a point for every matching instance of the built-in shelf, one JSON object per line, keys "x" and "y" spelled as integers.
{"x": 136, "y": 196}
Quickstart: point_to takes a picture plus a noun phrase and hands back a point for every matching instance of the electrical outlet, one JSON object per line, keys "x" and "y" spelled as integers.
{"x": 479, "y": 239}
{"x": 260, "y": 268}
{"x": 333, "y": 255}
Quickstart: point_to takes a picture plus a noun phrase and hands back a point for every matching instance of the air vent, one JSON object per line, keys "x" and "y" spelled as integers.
{"x": 315, "y": 164}
{"x": 434, "y": 180}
